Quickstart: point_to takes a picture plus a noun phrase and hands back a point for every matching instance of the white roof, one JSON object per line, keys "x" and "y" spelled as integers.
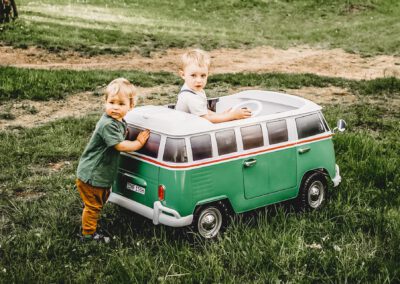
{"x": 275, "y": 105}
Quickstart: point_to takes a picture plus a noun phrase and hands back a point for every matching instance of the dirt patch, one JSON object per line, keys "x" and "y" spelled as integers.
{"x": 30, "y": 113}
{"x": 29, "y": 195}
{"x": 27, "y": 113}
{"x": 334, "y": 63}
{"x": 324, "y": 96}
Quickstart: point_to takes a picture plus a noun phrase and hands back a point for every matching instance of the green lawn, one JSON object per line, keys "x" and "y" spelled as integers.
{"x": 94, "y": 26}
{"x": 356, "y": 238}
{"x": 35, "y": 84}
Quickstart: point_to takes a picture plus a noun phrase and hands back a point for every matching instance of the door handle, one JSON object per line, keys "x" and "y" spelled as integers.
{"x": 250, "y": 163}
{"x": 304, "y": 150}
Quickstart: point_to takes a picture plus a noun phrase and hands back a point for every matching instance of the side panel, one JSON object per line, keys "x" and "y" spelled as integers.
{"x": 132, "y": 173}
{"x": 185, "y": 189}
{"x": 270, "y": 172}
{"x": 314, "y": 155}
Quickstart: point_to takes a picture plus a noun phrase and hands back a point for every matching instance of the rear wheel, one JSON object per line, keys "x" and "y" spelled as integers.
{"x": 211, "y": 220}
{"x": 313, "y": 192}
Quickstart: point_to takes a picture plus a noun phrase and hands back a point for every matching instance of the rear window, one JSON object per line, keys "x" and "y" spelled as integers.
{"x": 252, "y": 137}
{"x": 277, "y": 132}
{"x": 201, "y": 147}
{"x": 226, "y": 142}
{"x": 152, "y": 145}
{"x": 309, "y": 125}
{"x": 175, "y": 150}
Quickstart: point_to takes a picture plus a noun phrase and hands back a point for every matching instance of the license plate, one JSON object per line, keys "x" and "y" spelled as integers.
{"x": 135, "y": 188}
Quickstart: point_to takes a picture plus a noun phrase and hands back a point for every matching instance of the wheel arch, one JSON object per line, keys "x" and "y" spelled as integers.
{"x": 324, "y": 172}
{"x": 224, "y": 199}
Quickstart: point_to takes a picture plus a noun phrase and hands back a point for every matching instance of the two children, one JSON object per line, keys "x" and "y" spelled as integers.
{"x": 98, "y": 164}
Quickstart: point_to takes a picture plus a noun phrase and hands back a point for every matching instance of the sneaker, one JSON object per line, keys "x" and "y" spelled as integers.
{"x": 95, "y": 237}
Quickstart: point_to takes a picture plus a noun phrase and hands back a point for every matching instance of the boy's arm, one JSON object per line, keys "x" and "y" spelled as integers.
{"x": 131, "y": 146}
{"x": 227, "y": 115}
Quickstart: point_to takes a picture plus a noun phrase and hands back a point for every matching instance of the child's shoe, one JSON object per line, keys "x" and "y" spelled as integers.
{"x": 95, "y": 237}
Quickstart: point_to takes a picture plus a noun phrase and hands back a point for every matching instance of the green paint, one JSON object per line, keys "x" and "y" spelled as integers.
{"x": 274, "y": 177}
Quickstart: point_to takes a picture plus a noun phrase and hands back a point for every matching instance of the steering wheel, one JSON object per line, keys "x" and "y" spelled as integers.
{"x": 255, "y": 109}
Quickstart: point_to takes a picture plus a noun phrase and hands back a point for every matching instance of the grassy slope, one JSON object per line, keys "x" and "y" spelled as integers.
{"x": 358, "y": 231}
{"x": 99, "y": 26}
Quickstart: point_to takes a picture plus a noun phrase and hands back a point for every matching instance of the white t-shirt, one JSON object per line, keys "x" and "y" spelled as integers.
{"x": 192, "y": 102}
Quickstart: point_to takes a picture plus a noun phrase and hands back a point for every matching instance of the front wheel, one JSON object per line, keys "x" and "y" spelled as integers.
{"x": 313, "y": 192}
{"x": 211, "y": 220}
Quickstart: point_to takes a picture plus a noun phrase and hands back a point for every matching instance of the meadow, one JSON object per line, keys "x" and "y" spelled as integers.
{"x": 354, "y": 239}
{"x": 101, "y": 27}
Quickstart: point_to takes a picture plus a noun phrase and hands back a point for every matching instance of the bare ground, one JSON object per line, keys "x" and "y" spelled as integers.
{"x": 84, "y": 103}
{"x": 334, "y": 63}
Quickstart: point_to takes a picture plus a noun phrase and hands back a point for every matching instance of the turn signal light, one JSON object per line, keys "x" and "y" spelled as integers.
{"x": 161, "y": 192}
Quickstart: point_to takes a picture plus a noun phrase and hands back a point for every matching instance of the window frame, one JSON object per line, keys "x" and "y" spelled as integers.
{"x": 234, "y": 137}
{"x": 164, "y": 140}
{"x": 260, "y": 124}
{"x": 305, "y": 115}
{"x": 211, "y": 145}
{"x": 287, "y": 130}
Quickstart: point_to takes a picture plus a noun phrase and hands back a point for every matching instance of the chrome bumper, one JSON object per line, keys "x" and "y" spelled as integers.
{"x": 337, "y": 179}
{"x": 157, "y": 213}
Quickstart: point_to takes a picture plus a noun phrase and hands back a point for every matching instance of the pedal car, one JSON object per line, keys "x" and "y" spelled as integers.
{"x": 192, "y": 172}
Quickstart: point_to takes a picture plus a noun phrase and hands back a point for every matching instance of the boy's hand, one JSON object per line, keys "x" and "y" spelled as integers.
{"x": 241, "y": 113}
{"x": 143, "y": 136}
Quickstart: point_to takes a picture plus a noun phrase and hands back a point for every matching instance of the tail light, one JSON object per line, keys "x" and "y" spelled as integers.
{"x": 161, "y": 192}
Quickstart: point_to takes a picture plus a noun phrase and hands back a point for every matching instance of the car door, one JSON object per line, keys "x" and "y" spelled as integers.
{"x": 255, "y": 166}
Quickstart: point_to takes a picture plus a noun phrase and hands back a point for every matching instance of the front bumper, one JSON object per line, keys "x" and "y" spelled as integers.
{"x": 337, "y": 179}
{"x": 157, "y": 213}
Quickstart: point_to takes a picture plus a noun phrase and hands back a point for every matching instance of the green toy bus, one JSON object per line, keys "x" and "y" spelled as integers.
{"x": 192, "y": 172}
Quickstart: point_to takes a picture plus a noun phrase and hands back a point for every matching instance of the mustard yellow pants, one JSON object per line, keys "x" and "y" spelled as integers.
{"x": 94, "y": 198}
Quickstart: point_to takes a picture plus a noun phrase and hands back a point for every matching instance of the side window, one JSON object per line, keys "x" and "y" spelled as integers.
{"x": 152, "y": 145}
{"x": 201, "y": 147}
{"x": 175, "y": 150}
{"x": 309, "y": 125}
{"x": 277, "y": 132}
{"x": 226, "y": 142}
{"x": 252, "y": 137}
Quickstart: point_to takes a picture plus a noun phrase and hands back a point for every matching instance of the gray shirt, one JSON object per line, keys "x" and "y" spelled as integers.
{"x": 192, "y": 102}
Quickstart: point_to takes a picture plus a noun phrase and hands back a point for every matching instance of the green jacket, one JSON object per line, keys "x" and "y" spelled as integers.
{"x": 98, "y": 164}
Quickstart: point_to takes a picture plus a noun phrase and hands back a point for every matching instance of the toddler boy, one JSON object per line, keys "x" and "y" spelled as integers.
{"x": 98, "y": 164}
{"x": 192, "y": 98}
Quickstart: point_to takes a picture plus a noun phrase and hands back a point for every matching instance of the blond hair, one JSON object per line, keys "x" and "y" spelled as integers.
{"x": 197, "y": 56}
{"x": 121, "y": 87}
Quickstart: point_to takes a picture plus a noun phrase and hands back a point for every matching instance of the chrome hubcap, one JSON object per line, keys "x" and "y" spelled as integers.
{"x": 210, "y": 222}
{"x": 316, "y": 194}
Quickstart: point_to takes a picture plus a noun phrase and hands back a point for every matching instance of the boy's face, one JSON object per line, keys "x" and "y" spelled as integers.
{"x": 117, "y": 106}
{"x": 195, "y": 76}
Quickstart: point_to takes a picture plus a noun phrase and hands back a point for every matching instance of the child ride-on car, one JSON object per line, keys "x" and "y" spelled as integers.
{"x": 192, "y": 172}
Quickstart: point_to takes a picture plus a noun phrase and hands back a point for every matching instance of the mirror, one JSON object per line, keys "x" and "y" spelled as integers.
{"x": 341, "y": 125}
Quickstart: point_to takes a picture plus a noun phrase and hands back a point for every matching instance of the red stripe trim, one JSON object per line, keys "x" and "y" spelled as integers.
{"x": 231, "y": 157}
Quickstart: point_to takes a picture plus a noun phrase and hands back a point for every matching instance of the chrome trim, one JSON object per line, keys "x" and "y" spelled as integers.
{"x": 156, "y": 213}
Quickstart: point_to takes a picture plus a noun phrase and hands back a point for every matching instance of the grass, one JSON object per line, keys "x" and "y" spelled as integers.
{"x": 34, "y": 84}
{"x": 356, "y": 238}
{"x": 16, "y": 83}
{"x": 97, "y": 27}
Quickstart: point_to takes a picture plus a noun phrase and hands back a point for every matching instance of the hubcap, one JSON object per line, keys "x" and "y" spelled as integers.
{"x": 316, "y": 194}
{"x": 210, "y": 222}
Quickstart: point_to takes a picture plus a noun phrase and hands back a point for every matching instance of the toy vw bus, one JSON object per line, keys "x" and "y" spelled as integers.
{"x": 192, "y": 172}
